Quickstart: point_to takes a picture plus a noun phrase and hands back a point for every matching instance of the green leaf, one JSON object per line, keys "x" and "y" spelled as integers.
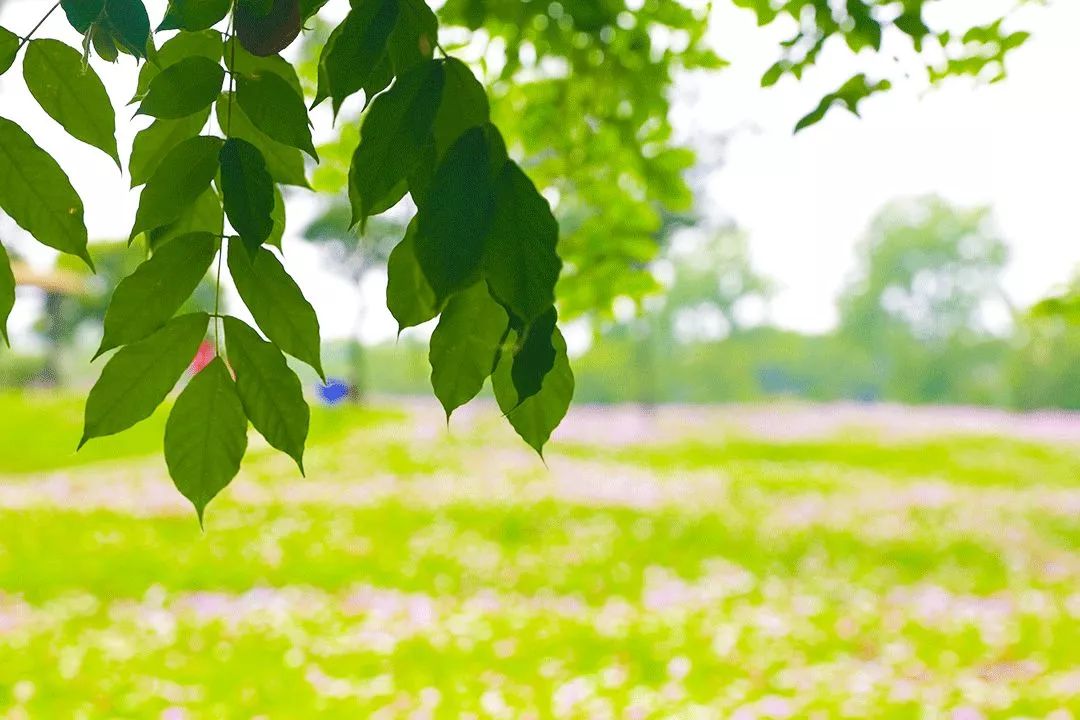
{"x": 464, "y": 105}
{"x": 194, "y": 15}
{"x": 183, "y": 88}
{"x": 129, "y": 25}
{"x": 537, "y": 417}
{"x": 104, "y": 44}
{"x": 396, "y": 129}
{"x": 354, "y": 50}
{"x": 7, "y": 293}
{"x": 414, "y": 36}
{"x": 145, "y": 300}
{"x": 37, "y": 195}
{"x": 536, "y": 356}
{"x": 82, "y": 13}
{"x": 240, "y": 62}
{"x": 308, "y": 8}
{"x": 248, "y": 192}
{"x": 270, "y": 391}
{"x": 205, "y": 215}
{"x": 520, "y": 262}
{"x": 181, "y": 177}
{"x": 285, "y": 164}
{"x": 409, "y": 295}
{"x": 206, "y": 436}
{"x": 139, "y": 376}
{"x": 72, "y": 94}
{"x": 275, "y": 301}
{"x": 207, "y": 44}
{"x": 152, "y": 144}
{"x": 455, "y": 219}
{"x": 264, "y": 31}
{"x": 9, "y": 48}
{"x": 276, "y": 109}
{"x": 850, "y": 94}
{"x": 277, "y": 216}
{"x": 465, "y": 346}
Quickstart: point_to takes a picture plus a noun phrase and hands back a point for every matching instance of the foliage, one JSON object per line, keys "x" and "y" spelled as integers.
{"x": 481, "y": 226}
{"x": 578, "y": 98}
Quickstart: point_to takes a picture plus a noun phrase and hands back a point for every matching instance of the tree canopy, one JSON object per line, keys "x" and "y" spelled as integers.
{"x": 531, "y": 138}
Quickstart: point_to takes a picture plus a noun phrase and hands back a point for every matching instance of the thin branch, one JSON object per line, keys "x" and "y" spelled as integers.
{"x": 37, "y": 27}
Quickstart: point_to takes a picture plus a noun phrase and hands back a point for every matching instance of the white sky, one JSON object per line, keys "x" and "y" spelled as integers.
{"x": 804, "y": 200}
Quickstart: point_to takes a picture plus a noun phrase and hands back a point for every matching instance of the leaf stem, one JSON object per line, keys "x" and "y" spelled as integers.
{"x": 37, "y": 27}
{"x": 227, "y": 131}
{"x": 217, "y": 298}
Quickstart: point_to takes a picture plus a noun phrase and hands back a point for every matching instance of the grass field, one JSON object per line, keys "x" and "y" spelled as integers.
{"x": 646, "y": 573}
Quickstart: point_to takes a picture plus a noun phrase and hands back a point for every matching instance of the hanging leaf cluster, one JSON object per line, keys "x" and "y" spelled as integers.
{"x": 229, "y": 127}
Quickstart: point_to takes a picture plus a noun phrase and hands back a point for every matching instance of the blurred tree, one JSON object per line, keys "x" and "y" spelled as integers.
{"x": 714, "y": 288}
{"x": 928, "y": 280}
{"x": 1042, "y": 367}
{"x": 710, "y": 284}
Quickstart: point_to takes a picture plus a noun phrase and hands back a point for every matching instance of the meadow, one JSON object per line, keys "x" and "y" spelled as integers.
{"x": 694, "y": 563}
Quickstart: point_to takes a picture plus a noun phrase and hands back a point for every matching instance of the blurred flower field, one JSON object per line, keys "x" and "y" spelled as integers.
{"x": 687, "y": 565}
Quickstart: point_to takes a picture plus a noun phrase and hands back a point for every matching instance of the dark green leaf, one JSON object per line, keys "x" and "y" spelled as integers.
{"x": 72, "y": 94}
{"x": 104, "y": 44}
{"x": 354, "y": 50}
{"x": 379, "y": 80}
{"x": 396, "y": 129}
{"x": 204, "y": 216}
{"x": 193, "y": 15}
{"x": 536, "y": 418}
{"x": 408, "y": 294}
{"x": 181, "y": 177}
{"x": 414, "y": 36}
{"x": 271, "y": 392}
{"x": 247, "y": 191}
{"x": 309, "y": 8}
{"x": 129, "y": 25}
{"x": 145, "y": 300}
{"x": 850, "y": 94}
{"x": 241, "y": 62}
{"x": 154, "y": 143}
{"x": 265, "y": 31}
{"x": 37, "y": 195}
{"x": 465, "y": 345}
{"x": 183, "y": 88}
{"x": 464, "y": 105}
{"x": 455, "y": 219}
{"x": 536, "y": 356}
{"x": 520, "y": 261}
{"x": 206, "y": 436}
{"x": 82, "y": 13}
{"x": 278, "y": 218}
{"x": 276, "y": 303}
{"x": 207, "y": 44}
{"x": 285, "y": 164}
{"x": 139, "y": 376}
{"x": 7, "y": 293}
{"x": 9, "y": 48}
{"x": 276, "y": 109}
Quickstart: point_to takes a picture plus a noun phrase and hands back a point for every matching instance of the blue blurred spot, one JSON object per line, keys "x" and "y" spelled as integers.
{"x": 333, "y": 392}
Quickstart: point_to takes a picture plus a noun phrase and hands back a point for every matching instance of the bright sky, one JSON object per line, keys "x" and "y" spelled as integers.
{"x": 804, "y": 200}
